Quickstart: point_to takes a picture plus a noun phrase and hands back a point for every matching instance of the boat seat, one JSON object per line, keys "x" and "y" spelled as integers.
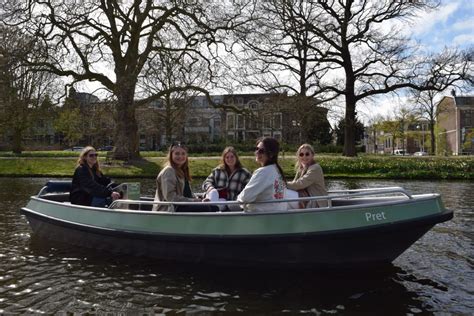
{"x": 57, "y": 186}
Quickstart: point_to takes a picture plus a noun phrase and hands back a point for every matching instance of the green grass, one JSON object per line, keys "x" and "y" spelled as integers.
{"x": 366, "y": 166}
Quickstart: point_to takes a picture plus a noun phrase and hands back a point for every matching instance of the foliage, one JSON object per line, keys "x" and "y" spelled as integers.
{"x": 124, "y": 36}
{"x": 23, "y": 88}
{"x": 341, "y": 126}
{"x": 70, "y": 124}
{"x": 367, "y": 166}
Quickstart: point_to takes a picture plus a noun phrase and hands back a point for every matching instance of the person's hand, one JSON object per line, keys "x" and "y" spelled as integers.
{"x": 115, "y": 195}
{"x": 206, "y": 200}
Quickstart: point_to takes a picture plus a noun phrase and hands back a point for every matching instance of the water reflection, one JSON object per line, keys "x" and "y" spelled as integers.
{"x": 150, "y": 286}
{"x": 433, "y": 276}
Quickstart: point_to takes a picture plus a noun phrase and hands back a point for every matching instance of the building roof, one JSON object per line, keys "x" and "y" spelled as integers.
{"x": 465, "y": 102}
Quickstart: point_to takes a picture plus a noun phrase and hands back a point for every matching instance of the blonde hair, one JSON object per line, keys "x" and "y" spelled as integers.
{"x": 81, "y": 161}
{"x": 223, "y": 165}
{"x": 298, "y": 165}
{"x": 183, "y": 171}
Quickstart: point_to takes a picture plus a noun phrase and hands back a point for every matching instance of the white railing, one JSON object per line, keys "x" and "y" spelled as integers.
{"x": 334, "y": 194}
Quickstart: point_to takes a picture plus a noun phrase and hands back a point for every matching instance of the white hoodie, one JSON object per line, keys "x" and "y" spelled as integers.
{"x": 266, "y": 184}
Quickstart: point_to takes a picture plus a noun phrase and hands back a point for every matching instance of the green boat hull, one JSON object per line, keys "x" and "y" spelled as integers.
{"x": 371, "y": 231}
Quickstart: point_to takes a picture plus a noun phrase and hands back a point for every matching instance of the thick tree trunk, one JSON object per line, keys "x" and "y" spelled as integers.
{"x": 349, "y": 129}
{"x": 126, "y": 133}
{"x": 433, "y": 140}
{"x": 16, "y": 142}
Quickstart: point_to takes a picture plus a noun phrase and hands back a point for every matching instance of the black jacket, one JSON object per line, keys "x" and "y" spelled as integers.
{"x": 87, "y": 184}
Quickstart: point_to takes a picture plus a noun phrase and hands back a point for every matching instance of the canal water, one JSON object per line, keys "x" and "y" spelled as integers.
{"x": 434, "y": 276}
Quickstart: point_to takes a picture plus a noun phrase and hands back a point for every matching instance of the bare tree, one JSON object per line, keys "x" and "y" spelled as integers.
{"x": 279, "y": 53}
{"x": 111, "y": 41}
{"x": 426, "y": 107}
{"x": 173, "y": 72}
{"x": 23, "y": 87}
{"x": 365, "y": 55}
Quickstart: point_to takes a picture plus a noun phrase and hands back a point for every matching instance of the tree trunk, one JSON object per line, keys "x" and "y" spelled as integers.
{"x": 16, "y": 142}
{"x": 349, "y": 128}
{"x": 126, "y": 133}
{"x": 433, "y": 140}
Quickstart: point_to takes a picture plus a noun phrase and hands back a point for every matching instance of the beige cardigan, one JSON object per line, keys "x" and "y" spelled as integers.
{"x": 169, "y": 188}
{"x": 312, "y": 180}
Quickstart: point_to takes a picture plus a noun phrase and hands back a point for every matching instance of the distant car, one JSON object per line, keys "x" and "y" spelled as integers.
{"x": 106, "y": 148}
{"x": 420, "y": 153}
{"x": 399, "y": 152}
{"x": 77, "y": 148}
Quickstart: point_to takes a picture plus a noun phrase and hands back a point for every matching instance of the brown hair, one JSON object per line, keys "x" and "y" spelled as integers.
{"x": 222, "y": 164}
{"x": 81, "y": 161}
{"x": 272, "y": 148}
{"x": 298, "y": 166}
{"x": 182, "y": 172}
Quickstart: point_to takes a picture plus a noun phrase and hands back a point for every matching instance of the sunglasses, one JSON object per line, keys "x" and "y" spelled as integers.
{"x": 93, "y": 155}
{"x": 305, "y": 154}
{"x": 259, "y": 150}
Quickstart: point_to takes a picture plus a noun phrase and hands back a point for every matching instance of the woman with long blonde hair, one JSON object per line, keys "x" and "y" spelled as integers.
{"x": 173, "y": 183}
{"x": 309, "y": 178}
{"x": 89, "y": 186}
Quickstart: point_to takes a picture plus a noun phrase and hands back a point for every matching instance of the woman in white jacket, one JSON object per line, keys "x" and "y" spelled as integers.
{"x": 267, "y": 183}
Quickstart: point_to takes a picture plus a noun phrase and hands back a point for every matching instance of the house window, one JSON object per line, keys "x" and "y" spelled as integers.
{"x": 217, "y": 123}
{"x": 252, "y": 122}
{"x": 240, "y": 121}
{"x": 267, "y": 121}
{"x": 277, "y": 120}
{"x": 230, "y": 121}
{"x": 253, "y": 105}
{"x": 193, "y": 121}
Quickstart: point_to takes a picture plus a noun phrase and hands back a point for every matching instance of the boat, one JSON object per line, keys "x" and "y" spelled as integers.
{"x": 362, "y": 227}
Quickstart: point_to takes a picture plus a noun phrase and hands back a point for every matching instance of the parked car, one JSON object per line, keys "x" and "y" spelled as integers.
{"x": 420, "y": 153}
{"x": 399, "y": 152}
{"x": 77, "y": 148}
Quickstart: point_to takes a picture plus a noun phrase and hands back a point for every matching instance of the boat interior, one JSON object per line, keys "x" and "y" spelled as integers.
{"x": 58, "y": 191}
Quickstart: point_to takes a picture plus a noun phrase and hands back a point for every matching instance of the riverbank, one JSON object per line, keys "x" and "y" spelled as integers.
{"x": 366, "y": 166}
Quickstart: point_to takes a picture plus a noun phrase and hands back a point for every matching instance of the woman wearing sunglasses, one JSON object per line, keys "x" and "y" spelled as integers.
{"x": 309, "y": 179}
{"x": 173, "y": 184}
{"x": 89, "y": 186}
{"x": 267, "y": 182}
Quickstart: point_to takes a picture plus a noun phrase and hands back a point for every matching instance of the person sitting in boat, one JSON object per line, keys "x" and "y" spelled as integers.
{"x": 309, "y": 178}
{"x": 228, "y": 179}
{"x": 267, "y": 182}
{"x": 173, "y": 184}
{"x": 89, "y": 186}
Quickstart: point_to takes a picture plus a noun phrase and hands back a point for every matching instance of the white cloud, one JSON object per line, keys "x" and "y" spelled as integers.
{"x": 467, "y": 24}
{"x": 426, "y": 22}
{"x": 464, "y": 39}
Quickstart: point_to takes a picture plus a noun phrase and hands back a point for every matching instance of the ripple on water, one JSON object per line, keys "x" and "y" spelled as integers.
{"x": 434, "y": 275}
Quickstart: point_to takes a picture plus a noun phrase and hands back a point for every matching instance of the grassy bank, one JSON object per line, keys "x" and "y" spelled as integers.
{"x": 387, "y": 167}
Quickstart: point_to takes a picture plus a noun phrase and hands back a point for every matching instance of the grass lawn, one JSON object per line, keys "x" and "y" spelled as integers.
{"x": 364, "y": 166}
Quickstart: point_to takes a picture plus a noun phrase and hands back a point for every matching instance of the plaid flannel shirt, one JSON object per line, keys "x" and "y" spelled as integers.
{"x": 235, "y": 183}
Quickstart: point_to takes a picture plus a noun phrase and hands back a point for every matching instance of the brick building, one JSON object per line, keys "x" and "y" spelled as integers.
{"x": 455, "y": 119}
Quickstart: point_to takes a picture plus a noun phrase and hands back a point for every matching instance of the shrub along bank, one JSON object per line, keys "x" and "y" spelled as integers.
{"x": 388, "y": 167}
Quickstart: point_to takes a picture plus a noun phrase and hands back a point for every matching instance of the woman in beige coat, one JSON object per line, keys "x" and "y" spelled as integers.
{"x": 173, "y": 184}
{"x": 309, "y": 178}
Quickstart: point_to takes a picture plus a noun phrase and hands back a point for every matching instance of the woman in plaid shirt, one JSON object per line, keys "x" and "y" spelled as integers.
{"x": 227, "y": 180}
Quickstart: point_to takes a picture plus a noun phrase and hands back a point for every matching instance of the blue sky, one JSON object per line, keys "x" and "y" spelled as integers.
{"x": 451, "y": 25}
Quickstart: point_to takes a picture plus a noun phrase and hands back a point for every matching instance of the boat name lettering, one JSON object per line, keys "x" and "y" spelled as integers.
{"x": 379, "y": 216}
